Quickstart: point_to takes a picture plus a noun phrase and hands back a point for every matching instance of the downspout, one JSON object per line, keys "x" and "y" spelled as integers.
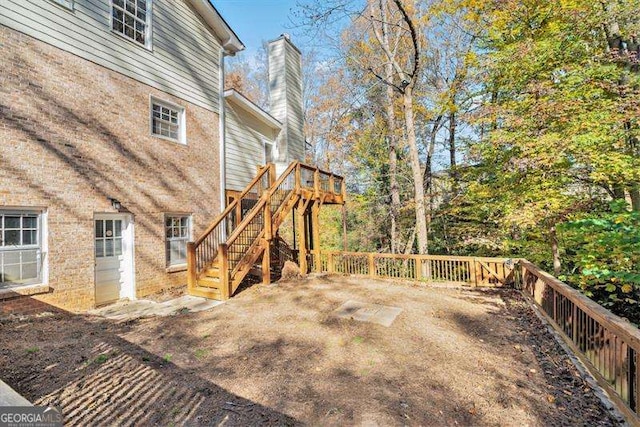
{"x": 222, "y": 144}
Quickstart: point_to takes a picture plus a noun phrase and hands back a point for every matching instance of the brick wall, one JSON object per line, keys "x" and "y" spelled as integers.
{"x": 73, "y": 135}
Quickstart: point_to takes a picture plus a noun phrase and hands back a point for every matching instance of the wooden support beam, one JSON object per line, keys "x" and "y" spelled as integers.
{"x": 372, "y": 265}
{"x": 191, "y": 266}
{"x": 272, "y": 174}
{"x": 316, "y": 184}
{"x": 302, "y": 237}
{"x": 266, "y": 262}
{"x": 268, "y": 223}
{"x": 223, "y": 257}
{"x": 315, "y": 235}
{"x": 478, "y": 270}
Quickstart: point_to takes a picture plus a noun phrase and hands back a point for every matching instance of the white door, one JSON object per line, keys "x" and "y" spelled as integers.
{"x": 113, "y": 243}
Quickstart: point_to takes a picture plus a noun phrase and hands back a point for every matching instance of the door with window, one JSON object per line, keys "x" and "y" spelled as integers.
{"x": 113, "y": 267}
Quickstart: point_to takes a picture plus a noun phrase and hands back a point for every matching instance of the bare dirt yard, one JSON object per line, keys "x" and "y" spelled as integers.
{"x": 278, "y": 355}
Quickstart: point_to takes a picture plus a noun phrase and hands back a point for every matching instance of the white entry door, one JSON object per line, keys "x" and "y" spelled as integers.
{"x": 113, "y": 258}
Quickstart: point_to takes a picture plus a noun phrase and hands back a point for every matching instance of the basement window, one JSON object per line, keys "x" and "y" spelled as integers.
{"x": 167, "y": 121}
{"x": 131, "y": 19}
{"x": 20, "y": 247}
{"x": 178, "y": 233}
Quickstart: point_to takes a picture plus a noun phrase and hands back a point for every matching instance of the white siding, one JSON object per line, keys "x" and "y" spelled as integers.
{"x": 184, "y": 57}
{"x": 245, "y": 138}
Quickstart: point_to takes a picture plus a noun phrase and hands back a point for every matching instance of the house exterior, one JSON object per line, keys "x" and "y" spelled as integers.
{"x": 117, "y": 144}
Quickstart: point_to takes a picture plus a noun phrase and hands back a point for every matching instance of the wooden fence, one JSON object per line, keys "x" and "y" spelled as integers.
{"x": 608, "y": 345}
{"x": 471, "y": 271}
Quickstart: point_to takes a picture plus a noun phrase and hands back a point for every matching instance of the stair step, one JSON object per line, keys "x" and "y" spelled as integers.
{"x": 212, "y": 272}
{"x": 209, "y": 282}
{"x": 209, "y": 293}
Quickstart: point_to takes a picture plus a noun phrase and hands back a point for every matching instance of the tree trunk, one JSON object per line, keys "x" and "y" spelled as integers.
{"x": 634, "y": 192}
{"x": 618, "y": 191}
{"x": 393, "y": 145}
{"x": 416, "y": 172}
{"x": 452, "y": 150}
{"x": 555, "y": 250}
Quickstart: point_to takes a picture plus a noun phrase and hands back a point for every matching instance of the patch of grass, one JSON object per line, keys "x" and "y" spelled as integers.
{"x": 32, "y": 350}
{"x": 167, "y": 357}
{"x": 358, "y": 340}
{"x": 101, "y": 359}
{"x": 200, "y": 353}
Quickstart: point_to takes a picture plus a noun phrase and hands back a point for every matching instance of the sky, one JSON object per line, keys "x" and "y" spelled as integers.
{"x": 255, "y": 21}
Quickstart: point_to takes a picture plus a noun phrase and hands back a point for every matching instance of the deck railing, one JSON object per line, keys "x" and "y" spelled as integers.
{"x": 608, "y": 345}
{"x": 229, "y": 239}
{"x": 202, "y": 252}
{"x": 473, "y": 271}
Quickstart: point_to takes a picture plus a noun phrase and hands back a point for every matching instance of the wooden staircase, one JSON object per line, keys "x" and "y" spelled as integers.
{"x": 220, "y": 259}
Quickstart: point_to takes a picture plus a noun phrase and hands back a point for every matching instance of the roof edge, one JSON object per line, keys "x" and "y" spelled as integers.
{"x": 229, "y": 39}
{"x": 252, "y": 107}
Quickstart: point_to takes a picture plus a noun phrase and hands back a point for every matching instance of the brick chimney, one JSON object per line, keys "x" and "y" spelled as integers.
{"x": 285, "y": 100}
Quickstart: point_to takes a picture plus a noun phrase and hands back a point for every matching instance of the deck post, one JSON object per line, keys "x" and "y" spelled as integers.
{"x": 268, "y": 224}
{"x": 298, "y": 177}
{"x": 192, "y": 273}
{"x": 266, "y": 262}
{"x": 272, "y": 174}
{"x": 316, "y": 184}
{"x": 302, "y": 237}
{"x": 372, "y": 265}
{"x": 478, "y": 269}
{"x": 315, "y": 235}
{"x": 223, "y": 256}
{"x": 473, "y": 278}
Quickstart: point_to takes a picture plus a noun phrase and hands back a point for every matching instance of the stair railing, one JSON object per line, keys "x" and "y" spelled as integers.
{"x": 203, "y": 251}
{"x": 257, "y": 224}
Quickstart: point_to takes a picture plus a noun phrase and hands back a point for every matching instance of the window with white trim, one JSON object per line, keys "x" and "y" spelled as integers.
{"x": 167, "y": 121}
{"x": 177, "y": 232}
{"x": 20, "y": 247}
{"x": 131, "y": 19}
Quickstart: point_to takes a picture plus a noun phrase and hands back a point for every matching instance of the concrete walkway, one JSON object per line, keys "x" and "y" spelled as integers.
{"x": 129, "y": 310}
{"x": 9, "y": 397}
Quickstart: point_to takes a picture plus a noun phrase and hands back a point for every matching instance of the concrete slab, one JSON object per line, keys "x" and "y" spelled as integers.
{"x": 129, "y": 310}
{"x": 364, "y": 312}
{"x": 9, "y": 397}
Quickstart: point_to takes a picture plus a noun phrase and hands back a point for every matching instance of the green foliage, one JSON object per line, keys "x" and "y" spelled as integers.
{"x": 604, "y": 257}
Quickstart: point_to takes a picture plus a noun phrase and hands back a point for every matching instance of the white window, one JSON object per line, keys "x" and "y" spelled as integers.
{"x": 20, "y": 247}
{"x": 177, "y": 232}
{"x": 131, "y": 19}
{"x": 167, "y": 121}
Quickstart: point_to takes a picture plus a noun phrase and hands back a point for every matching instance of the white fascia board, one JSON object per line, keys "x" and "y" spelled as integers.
{"x": 228, "y": 38}
{"x": 247, "y": 105}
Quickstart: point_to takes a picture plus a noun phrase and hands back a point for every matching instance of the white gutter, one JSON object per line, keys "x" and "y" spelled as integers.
{"x": 230, "y": 41}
